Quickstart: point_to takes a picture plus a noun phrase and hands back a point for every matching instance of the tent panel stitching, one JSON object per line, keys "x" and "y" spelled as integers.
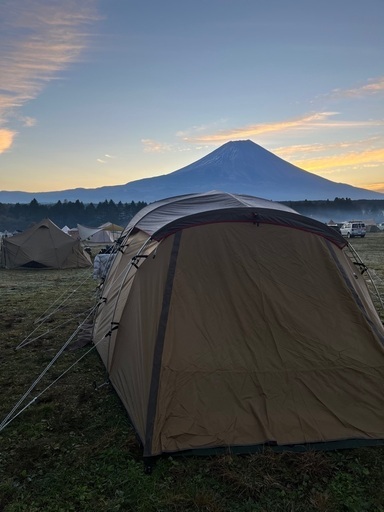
{"x": 159, "y": 345}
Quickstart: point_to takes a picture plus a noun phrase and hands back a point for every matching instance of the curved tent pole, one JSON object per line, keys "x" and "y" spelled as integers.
{"x": 117, "y": 247}
{"x": 122, "y": 282}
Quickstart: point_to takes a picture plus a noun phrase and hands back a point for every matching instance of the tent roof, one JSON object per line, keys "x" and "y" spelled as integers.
{"x": 109, "y": 226}
{"x": 103, "y": 233}
{"x": 168, "y": 215}
{"x": 99, "y": 235}
{"x": 58, "y": 236}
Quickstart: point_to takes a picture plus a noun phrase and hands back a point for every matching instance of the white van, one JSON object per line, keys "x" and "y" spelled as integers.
{"x": 353, "y": 228}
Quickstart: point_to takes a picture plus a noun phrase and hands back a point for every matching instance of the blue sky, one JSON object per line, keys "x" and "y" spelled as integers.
{"x": 104, "y": 92}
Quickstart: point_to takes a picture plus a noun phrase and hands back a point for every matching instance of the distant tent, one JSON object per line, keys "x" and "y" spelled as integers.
{"x": 114, "y": 228}
{"x": 371, "y": 226}
{"x": 73, "y": 232}
{"x": 230, "y": 322}
{"x": 6, "y": 233}
{"x": 105, "y": 234}
{"x": 44, "y": 246}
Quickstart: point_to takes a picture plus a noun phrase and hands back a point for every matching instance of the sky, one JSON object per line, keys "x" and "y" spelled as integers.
{"x": 105, "y": 92}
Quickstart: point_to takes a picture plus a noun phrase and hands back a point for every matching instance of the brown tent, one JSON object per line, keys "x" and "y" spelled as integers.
{"x": 229, "y": 322}
{"x": 43, "y": 246}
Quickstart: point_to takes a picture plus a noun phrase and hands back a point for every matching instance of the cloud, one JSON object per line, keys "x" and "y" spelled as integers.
{"x": 310, "y": 121}
{"x": 213, "y": 126}
{"x": 29, "y": 121}
{"x": 377, "y": 187}
{"x": 6, "y": 139}
{"x": 153, "y": 146}
{"x": 371, "y": 157}
{"x": 374, "y": 86}
{"x": 38, "y": 40}
{"x": 297, "y": 151}
{"x": 103, "y": 161}
{"x": 306, "y": 122}
{"x": 361, "y": 158}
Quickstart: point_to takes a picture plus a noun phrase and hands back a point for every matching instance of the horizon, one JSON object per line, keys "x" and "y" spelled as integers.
{"x": 102, "y": 94}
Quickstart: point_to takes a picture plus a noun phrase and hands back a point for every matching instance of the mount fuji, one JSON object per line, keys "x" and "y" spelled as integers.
{"x": 241, "y": 167}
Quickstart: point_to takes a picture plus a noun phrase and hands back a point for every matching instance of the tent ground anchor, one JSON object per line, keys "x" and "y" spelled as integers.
{"x": 98, "y": 386}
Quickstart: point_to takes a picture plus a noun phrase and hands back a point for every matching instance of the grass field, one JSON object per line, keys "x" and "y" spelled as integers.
{"x": 73, "y": 449}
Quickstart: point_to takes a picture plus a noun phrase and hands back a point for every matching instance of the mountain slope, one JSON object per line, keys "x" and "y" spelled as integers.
{"x": 237, "y": 167}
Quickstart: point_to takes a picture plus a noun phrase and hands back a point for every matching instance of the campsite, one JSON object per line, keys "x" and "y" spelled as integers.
{"x": 74, "y": 447}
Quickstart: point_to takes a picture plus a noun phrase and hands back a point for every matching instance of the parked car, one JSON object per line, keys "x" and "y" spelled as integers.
{"x": 353, "y": 228}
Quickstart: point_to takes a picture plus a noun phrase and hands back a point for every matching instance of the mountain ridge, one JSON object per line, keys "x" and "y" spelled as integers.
{"x": 236, "y": 167}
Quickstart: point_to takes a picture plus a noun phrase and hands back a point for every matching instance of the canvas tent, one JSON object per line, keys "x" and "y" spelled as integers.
{"x": 105, "y": 234}
{"x": 44, "y": 245}
{"x": 232, "y": 322}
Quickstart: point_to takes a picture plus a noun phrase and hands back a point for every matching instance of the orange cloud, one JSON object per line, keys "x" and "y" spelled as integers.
{"x": 377, "y": 187}
{"x": 6, "y": 139}
{"x": 292, "y": 152}
{"x": 368, "y": 157}
{"x": 374, "y": 86}
{"x": 310, "y": 121}
{"x": 300, "y": 152}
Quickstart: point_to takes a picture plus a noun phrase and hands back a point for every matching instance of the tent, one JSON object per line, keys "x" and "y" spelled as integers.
{"x": 44, "y": 245}
{"x": 105, "y": 234}
{"x": 229, "y": 322}
{"x": 66, "y": 229}
{"x": 72, "y": 232}
{"x": 113, "y": 228}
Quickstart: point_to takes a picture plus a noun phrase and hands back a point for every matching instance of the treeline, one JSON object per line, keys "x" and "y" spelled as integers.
{"x": 340, "y": 209}
{"x": 21, "y": 216}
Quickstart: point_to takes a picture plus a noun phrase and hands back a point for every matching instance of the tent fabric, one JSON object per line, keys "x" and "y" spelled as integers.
{"x": 222, "y": 329}
{"x": 94, "y": 235}
{"x": 105, "y": 234}
{"x": 160, "y": 218}
{"x": 110, "y": 226}
{"x": 161, "y": 213}
{"x": 44, "y": 246}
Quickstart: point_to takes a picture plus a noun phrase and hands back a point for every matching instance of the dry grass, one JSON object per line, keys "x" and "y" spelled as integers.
{"x": 371, "y": 251}
{"x": 74, "y": 449}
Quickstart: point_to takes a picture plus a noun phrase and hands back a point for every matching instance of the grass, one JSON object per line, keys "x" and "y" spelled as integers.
{"x": 74, "y": 448}
{"x": 371, "y": 251}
